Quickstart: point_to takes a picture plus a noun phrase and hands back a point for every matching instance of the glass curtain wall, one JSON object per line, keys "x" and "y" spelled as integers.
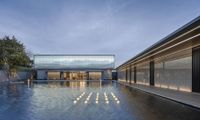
{"x": 143, "y": 73}
{"x": 122, "y": 75}
{"x": 73, "y": 62}
{"x": 132, "y": 74}
{"x": 128, "y": 75}
{"x": 54, "y": 75}
{"x": 94, "y": 75}
{"x": 174, "y": 71}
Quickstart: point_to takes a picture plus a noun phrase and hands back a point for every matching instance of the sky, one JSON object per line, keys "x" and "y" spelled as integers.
{"x": 121, "y": 27}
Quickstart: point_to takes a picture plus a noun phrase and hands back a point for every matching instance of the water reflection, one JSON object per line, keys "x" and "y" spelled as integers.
{"x": 56, "y": 100}
{"x": 75, "y": 84}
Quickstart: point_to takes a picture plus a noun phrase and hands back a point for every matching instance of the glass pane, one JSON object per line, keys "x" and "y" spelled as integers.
{"x": 174, "y": 71}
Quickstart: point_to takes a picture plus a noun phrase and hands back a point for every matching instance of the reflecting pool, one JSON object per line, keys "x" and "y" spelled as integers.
{"x": 94, "y": 100}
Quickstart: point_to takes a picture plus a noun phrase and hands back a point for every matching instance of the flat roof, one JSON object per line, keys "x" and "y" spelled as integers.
{"x": 195, "y": 22}
{"x": 74, "y": 55}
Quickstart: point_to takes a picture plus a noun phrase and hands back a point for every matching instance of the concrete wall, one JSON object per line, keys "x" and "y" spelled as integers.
{"x": 21, "y": 75}
{"x": 41, "y": 75}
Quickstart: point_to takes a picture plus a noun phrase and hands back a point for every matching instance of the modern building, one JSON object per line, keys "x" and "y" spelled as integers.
{"x": 171, "y": 63}
{"x": 73, "y": 67}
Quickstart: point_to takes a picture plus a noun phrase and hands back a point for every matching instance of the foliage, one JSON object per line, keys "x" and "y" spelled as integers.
{"x": 12, "y": 53}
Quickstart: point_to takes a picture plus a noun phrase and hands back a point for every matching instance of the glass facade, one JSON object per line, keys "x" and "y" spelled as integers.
{"x": 74, "y": 62}
{"x": 143, "y": 73}
{"x": 132, "y": 74}
{"x": 122, "y": 75}
{"x": 128, "y": 75}
{"x": 171, "y": 63}
{"x": 174, "y": 71}
{"x": 53, "y": 75}
{"x": 94, "y": 75}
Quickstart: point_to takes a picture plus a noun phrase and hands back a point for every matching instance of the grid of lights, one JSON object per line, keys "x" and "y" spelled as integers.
{"x": 87, "y": 98}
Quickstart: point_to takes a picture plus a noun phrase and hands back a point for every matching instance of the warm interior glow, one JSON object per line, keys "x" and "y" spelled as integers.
{"x": 173, "y": 87}
{"x": 184, "y": 89}
{"x": 164, "y": 86}
{"x": 142, "y": 83}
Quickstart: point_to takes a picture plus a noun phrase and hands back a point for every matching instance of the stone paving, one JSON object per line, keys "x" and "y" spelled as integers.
{"x": 188, "y": 98}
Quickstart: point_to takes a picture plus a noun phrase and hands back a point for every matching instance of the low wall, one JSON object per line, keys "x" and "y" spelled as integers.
{"x": 21, "y": 75}
{"x": 3, "y": 76}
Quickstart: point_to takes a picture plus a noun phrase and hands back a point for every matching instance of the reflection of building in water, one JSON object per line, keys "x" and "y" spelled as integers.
{"x": 80, "y": 84}
{"x": 94, "y": 84}
{"x": 74, "y": 67}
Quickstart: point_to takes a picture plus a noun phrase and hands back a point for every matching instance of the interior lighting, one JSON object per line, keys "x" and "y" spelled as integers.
{"x": 75, "y": 101}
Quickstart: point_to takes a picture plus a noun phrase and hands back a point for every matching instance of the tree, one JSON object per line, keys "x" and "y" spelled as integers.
{"x": 12, "y": 53}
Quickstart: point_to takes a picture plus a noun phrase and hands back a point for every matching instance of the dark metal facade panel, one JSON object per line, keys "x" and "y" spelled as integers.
{"x": 126, "y": 75}
{"x": 196, "y": 69}
{"x": 152, "y": 68}
{"x": 130, "y": 74}
{"x": 135, "y": 75}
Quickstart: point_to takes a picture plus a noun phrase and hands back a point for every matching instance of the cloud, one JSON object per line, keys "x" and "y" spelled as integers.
{"x": 119, "y": 27}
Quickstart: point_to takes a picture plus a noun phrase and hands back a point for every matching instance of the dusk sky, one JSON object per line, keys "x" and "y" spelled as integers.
{"x": 120, "y": 27}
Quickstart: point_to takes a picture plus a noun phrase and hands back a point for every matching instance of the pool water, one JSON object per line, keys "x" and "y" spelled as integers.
{"x": 94, "y": 100}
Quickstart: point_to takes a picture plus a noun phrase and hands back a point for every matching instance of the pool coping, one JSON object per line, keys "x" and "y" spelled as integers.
{"x": 67, "y": 81}
{"x": 176, "y": 99}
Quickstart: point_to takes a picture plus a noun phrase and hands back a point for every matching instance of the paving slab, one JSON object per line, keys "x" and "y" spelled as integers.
{"x": 188, "y": 98}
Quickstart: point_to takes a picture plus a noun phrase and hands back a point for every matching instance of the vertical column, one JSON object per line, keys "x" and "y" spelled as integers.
{"x": 62, "y": 75}
{"x": 196, "y": 69}
{"x": 151, "y": 73}
{"x": 135, "y": 75}
{"x": 46, "y": 75}
{"x": 87, "y": 75}
{"x": 102, "y": 75}
{"x": 126, "y": 74}
{"x": 130, "y": 74}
